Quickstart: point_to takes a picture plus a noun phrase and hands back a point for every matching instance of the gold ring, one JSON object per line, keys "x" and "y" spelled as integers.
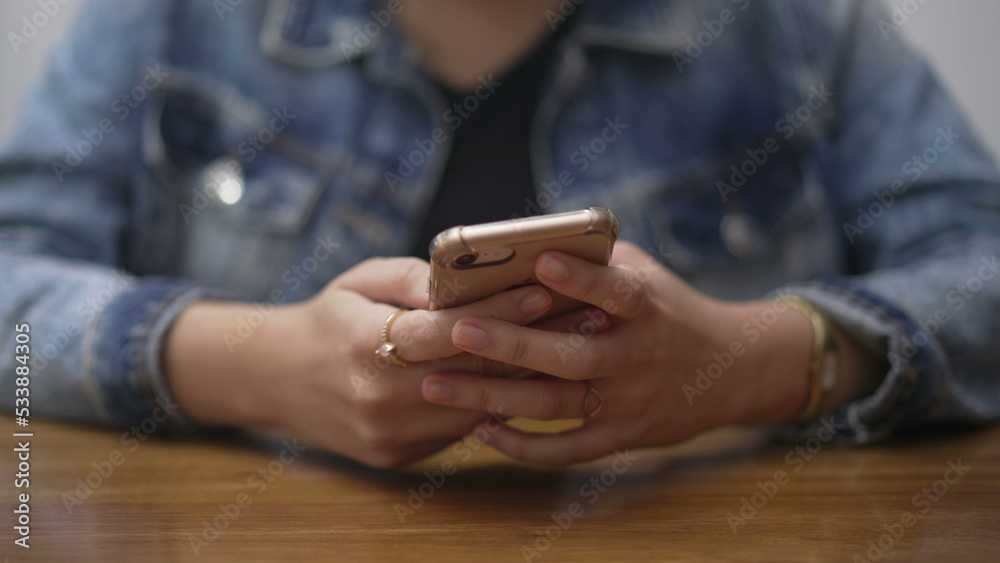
{"x": 388, "y": 348}
{"x": 591, "y": 413}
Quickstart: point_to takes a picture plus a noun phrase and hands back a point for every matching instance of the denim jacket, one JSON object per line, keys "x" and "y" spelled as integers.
{"x": 253, "y": 150}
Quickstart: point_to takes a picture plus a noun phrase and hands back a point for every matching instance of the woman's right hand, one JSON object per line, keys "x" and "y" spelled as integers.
{"x": 310, "y": 367}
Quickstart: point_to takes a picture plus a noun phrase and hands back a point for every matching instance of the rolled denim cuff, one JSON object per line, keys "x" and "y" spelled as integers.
{"x": 124, "y": 363}
{"x": 917, "y": 370}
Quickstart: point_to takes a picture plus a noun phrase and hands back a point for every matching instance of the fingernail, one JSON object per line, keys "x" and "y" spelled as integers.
{"x": 441, "y": 391}
{"x": 553, "y": 269}
{"x": 535, "y": 302}
{"x": 470, "y": 337}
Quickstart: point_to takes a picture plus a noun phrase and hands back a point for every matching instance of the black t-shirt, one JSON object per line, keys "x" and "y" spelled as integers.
{"x": 488, "y": 174}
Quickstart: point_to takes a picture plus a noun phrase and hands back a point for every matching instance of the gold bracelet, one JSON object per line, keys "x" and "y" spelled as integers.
{"x": 823, "y": 363}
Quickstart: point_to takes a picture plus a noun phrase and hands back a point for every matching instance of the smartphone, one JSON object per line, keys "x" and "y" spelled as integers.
{"x": 469, "y": 263}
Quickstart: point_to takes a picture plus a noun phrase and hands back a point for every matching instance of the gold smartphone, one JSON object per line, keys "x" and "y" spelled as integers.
{"x": 469, "y": 263}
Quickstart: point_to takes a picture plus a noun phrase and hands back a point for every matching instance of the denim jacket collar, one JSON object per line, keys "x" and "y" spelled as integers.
{"x": 322, "y": 33}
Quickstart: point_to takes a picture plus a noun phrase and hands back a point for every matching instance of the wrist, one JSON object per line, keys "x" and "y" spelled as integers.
{"x": 771, "y": 385}
{"x": 779, "y": 378}
{"x": 211, "y": 366}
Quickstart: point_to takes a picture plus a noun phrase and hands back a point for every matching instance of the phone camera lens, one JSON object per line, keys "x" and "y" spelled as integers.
{"x": 465, "y": 259}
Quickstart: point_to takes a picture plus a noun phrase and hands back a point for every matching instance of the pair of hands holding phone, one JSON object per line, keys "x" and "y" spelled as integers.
{"x": 311, "y": 370}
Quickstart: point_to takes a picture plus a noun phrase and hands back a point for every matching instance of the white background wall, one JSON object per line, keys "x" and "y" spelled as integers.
{"x": 19, "y": 70}
{"x": 960, "y": 36}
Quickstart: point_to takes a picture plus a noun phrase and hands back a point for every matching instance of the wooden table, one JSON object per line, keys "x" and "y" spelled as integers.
{"x": 236, "y": 498}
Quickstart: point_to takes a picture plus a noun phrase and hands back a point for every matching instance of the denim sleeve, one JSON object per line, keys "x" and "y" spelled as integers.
{"x": 917, "y": 199}
{"x": 65, "y": 178}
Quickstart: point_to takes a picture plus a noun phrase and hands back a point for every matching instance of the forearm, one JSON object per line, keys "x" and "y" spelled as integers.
{"x": 915, "y": 199}
{"x": 938, "y": 338}
{"x": 60, "y": 304}
{"x": 96, "y": 333}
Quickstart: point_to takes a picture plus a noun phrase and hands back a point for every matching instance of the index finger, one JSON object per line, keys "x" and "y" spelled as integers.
{"x": 615, "y": 289}
{"x": 423, "y": 335}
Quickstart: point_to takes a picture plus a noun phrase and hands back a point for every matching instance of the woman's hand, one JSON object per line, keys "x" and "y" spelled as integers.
{"x": 657, "y": 334}
{"x": 311, "y": 369}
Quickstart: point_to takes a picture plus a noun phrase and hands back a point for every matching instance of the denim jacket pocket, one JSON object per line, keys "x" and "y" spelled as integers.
{"x": 742, "y": 220}
{"x": 243, "y": 199}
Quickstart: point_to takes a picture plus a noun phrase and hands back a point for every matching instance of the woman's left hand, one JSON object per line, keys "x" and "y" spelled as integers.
{"x": 630, "y": 369}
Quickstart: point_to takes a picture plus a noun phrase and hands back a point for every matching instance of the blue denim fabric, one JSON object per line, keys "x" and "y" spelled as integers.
{"x": 257, "y": 150}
